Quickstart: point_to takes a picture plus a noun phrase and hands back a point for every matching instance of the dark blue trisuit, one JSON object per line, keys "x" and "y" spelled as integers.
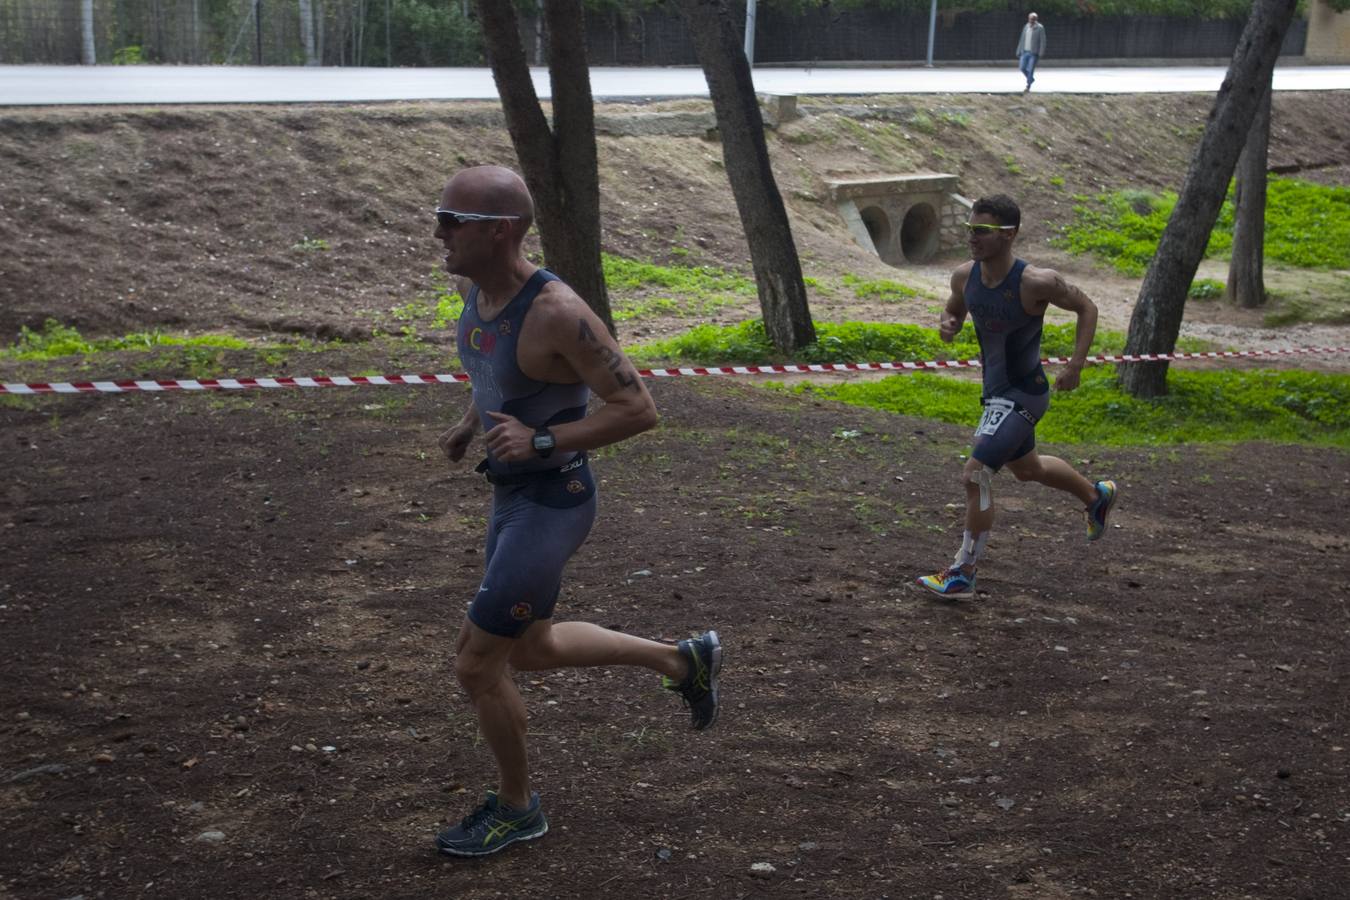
{"x": 1016, "y": 393}
{"x": 542, "y": 509}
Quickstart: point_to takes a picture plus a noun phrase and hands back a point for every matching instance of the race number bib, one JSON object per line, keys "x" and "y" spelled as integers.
{"x": 996, "y": 409}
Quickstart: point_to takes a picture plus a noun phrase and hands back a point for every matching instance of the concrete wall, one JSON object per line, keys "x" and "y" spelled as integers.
{"x": 1328, "y": 34}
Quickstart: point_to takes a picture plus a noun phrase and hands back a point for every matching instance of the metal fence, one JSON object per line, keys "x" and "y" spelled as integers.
{"x": 822, "y": 35}
{"x": 445, "y": 33}
{"x": 260, "y": 32}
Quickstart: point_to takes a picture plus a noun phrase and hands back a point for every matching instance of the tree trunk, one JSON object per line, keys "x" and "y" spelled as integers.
{"x": 307, "y": 31}
{"x": 87, "y": 55}
{"x": 778, "y": 272}
{"x": 1162, "y": 297}
{"x": 1246, "y": 269}
{"x": 559, "y": 164}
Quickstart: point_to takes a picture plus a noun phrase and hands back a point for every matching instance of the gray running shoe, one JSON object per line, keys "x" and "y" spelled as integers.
{"x": 699, "y": 688}
{"x": 492, "y": 827}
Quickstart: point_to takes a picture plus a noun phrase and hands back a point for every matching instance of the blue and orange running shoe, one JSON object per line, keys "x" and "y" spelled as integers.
{"x": 492, "y": 827}
{"x": 952, "y": 583}
{"x": 1100, "y": 509}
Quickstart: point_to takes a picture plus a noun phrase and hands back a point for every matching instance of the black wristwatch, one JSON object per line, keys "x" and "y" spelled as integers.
{"x": 543, "y": 442}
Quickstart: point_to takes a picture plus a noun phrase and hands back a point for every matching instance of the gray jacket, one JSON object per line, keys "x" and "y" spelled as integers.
{"x": 1032, "y": 39}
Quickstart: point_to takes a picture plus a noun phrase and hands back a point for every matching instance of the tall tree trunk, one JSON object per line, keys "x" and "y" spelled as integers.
{"x": 1246, "y": 268}
{"x": 1162, "y": 297}
{"x": 307, "y": 31}
{"x": 87, "y": 55}
{"x": 778, "y": 271}
{"x": 559, "y": 163}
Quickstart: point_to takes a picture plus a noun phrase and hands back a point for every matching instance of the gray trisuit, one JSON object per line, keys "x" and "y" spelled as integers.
{"x": 542, "y": 509}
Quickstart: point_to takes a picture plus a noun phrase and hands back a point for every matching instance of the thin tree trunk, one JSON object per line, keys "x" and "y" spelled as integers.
{"x": 307, "y": 31}
{"x": 559, "y": 163}
{"x": 778, "y": 272}
{"x": 87, "y": 55}
{"x": 1156, "y": 322}
{"x": 1246, "y": 268}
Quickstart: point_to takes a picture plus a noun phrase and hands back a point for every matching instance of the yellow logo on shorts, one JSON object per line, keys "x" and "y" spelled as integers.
{"x": 522, "y": 611}
{"x": 575, "y": 487}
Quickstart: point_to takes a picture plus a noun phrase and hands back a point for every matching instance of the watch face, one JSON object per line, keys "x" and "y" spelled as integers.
{"x": 543, "y": 442}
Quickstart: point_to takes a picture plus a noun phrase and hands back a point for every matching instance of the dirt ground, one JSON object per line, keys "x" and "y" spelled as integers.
{"x": 227, "y": 619}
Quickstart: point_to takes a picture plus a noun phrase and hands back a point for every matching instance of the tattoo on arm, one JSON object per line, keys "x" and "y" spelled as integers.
{"x": 1064, "y": 289}
{"x": 610, "y": 358}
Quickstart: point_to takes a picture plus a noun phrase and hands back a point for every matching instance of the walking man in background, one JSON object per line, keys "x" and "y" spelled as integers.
{"x": 1007, "y": 299}
{"x": 535, "y": 352}
{"x": 1030, "y": 46}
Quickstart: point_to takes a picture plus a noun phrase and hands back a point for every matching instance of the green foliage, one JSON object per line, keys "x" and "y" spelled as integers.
{"x": 1205, "y": 289}
{"x": 308, "y": 244}
{"x": 1189, "y": 9}
{"x": 1214, "y": 407}
{"x": 129, "y": 56}
{"x": 1307, "y": 225}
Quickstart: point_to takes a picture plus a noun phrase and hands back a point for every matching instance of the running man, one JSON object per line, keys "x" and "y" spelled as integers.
{"x": 1007, "y": 299}
{"x": 535, "y": 352}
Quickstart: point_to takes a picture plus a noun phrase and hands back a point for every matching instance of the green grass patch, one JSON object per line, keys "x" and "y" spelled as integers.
{"x": 881, "y": 290}
{"x": 437, "y": 309}
{"x": 1307, "y": 226}
{"x": 748, "y": 343}
{"x": 1205, "y": 289}
{"x": 641, "y": 289}
{"x": 56, "y": 340}
{"x": 1209, "y": 407}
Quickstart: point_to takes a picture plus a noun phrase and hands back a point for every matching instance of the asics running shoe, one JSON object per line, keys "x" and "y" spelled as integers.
{"x": 493, "y": 827}
{"x": 699, "y": 687}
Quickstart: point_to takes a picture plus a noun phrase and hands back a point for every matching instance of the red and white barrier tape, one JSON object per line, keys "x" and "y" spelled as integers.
{"x": 237, "y": 384}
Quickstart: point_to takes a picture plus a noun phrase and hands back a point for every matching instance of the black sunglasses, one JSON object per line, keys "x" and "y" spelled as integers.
{"x": 449, "y": 218}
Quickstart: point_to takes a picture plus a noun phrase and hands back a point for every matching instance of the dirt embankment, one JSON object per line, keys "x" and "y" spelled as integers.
{"x": 317, "y": 219}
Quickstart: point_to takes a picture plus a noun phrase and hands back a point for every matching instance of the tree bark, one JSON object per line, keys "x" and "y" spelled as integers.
{"x": 1162, "y": 297}
{"x": 559, "y": 165}
{"x": 1246, "y": 268}
{"x": 778, "y": 272}
{"x": 307, "y": 31}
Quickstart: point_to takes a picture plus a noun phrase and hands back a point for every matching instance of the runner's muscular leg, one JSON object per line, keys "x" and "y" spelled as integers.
{"x": 481, "y": 667}
{"x": 545, "y": 645}
{"x": 1053, "y": 472}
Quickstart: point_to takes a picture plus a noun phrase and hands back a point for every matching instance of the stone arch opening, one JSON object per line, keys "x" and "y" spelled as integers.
{"x": 919, "y": 233}
{"x": 878, "y": 226}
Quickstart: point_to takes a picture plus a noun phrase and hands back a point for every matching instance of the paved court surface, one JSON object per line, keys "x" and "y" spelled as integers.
{"x": 64, "y": 85}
